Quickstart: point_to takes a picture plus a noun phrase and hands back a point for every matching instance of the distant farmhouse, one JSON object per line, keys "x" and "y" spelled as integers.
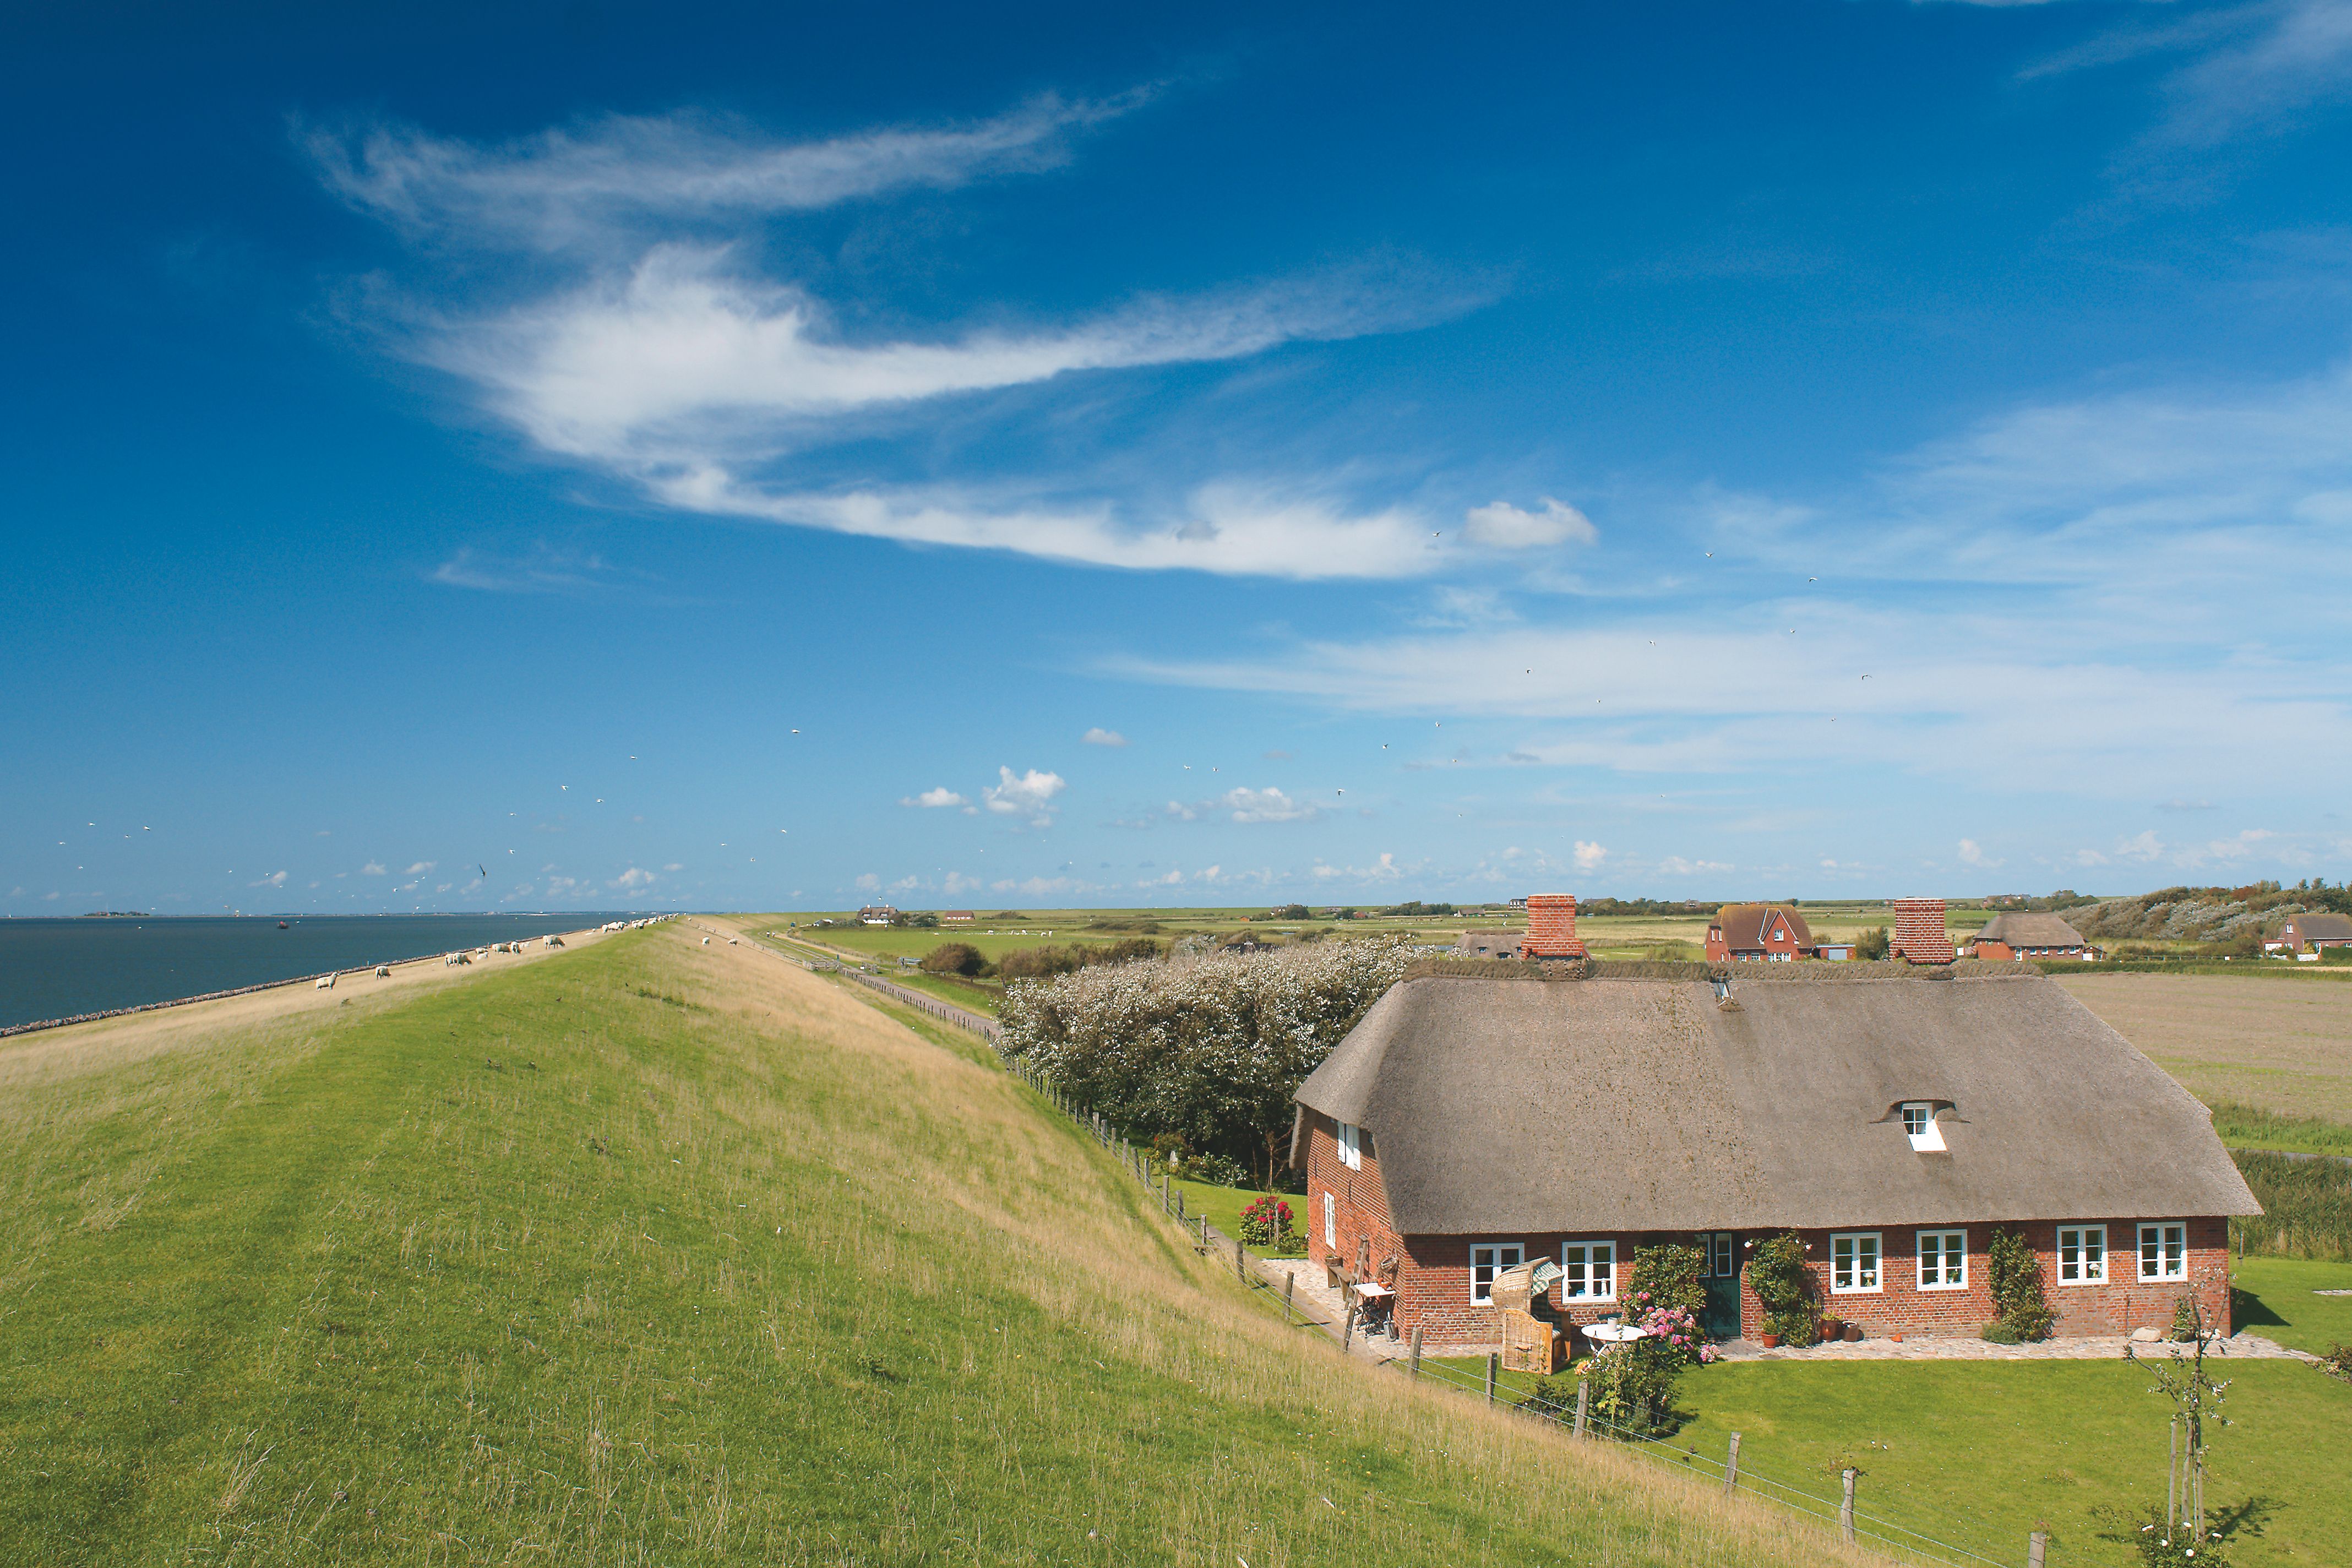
{"x": 2012, "y": 936}
{"x": 1893, "y": 1114}
{"x": 2315, "y": 931}
{"x": 956, "y": 917}
{"x": 1488, "y": 944}
{"x": 877, "y": 915}
{"x": 1767, "y": 931}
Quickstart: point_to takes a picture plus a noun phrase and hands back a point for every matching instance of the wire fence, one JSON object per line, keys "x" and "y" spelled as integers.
{"x": 1859, "y": 1526}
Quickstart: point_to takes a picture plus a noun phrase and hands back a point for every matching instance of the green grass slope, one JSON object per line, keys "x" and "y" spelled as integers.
{"x": 652, "y": 1253}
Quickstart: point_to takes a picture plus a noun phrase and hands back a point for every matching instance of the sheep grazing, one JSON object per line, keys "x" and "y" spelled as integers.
{"x": 384, "y": 972}
{"x": 555, "y": 942}
{"x": 326, "y": 985}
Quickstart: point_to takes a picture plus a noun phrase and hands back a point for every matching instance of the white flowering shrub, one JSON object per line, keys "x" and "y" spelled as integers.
{"x": 1208, "y": 1045}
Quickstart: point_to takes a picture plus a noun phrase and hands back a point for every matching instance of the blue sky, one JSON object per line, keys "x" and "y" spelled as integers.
{"x": 597, "y": 455}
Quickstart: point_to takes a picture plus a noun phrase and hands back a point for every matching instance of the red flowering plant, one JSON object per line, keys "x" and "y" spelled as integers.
{"x": 1266, "y": 1223}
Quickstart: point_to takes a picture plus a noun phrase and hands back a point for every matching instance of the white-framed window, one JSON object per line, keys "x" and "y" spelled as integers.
{"x": 1588, "y": 1271}
{"x": 2081, "y": 1255}
{"x": 1919, "y": 1125}
{"x": 1715, "y": 1255}
{"x": 2164, "y": 1251}
{"x": 1330, "y": 1221}
{"x": 1943, "y": 1259}
{"x": 1488, "y": 1259}
{"x": 1854, "y": 1263}
{"x": 1352, "y": 1146}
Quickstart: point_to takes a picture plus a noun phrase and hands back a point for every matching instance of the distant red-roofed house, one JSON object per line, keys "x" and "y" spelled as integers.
{"x": 955, "y": 916}
{"x": 2312, "y": 930}
{"x": 1751, "y": 932}
{"x": 2008, "y": 936}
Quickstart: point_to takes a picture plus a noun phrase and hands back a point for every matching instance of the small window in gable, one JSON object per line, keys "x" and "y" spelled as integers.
{"x": 1919, "y": 1124}
{"x": 1352, "y": 1146}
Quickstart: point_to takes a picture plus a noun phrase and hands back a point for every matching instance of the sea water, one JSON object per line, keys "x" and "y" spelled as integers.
{"x": 57, "y": 968}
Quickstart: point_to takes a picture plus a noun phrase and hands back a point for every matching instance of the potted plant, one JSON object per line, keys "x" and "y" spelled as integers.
{"x": 1833, "y": 1327}
{"x": 1770, "y": 1342}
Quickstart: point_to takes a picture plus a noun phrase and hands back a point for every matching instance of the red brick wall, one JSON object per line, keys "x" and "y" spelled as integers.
{"x": 1551, "y": 926}
{"x": 1434, "y": 1288}
{"x": 1361, "y": 1204}
{"x": 1920, "y": 933}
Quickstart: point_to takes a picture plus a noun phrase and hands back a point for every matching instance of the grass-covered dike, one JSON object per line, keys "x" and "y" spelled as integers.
{"x": 653, "y": 1253}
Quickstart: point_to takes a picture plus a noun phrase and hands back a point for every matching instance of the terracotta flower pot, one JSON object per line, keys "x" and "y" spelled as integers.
{"x": 1770, "y": 1342}
{"x": 1832, "y": 1329}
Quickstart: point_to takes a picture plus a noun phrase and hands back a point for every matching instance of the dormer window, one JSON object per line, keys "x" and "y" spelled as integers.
{"x": 1352, "y": 1146}
{"x": 1919, "y": 1125}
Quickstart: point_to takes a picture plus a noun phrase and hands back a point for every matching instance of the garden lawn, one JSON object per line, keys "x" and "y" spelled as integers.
{"x": 1224, "y": 1205}
{"x": 2284, "y": 1305}
{"x": 1980, "y": 1454}
{"x": 653, "y": 1253}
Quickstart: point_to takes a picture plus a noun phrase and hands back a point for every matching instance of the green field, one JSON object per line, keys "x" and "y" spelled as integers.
{"x": 658, "y": 1253}
{"x": 1980, "y": 1453}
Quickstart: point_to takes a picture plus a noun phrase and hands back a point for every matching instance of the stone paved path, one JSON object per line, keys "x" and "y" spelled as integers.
{"x": 2094, "y": 1347}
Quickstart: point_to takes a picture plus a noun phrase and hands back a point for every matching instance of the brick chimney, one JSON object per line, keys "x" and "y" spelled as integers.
{"x": 1920, "y": 934}
{"x": 1551, "y": 926}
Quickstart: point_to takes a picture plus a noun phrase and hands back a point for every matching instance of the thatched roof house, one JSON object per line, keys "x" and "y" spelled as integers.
{"x": 2030, "y": 935}
{"x": 1530, "y": 1102}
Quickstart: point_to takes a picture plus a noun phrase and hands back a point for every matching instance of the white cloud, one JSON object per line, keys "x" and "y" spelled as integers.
{"x": 1590, "y": 856}
{"x": 1502, "y": 526}
{"x": 958, "y": 882}
{"x": 1227, "y": 529}
{"x": 1675, "y": 866}
{"x": 419, "y": 868}
{"x": 275, "y": 879}
{"x": 632, "y": 880}
{"x": 674, "y": 865}
{"x": 1101, "y": 737}
{"x": 1384, "y": 869}
{"x": 1028, "y": 796}
{"x": 1268, "y": 806}
{"x": 2144, "y": 848}
{"x": 1972, "y": 854}
{"x": 647, "y": 342}
{"x": 870, "y": 882}
{"x": 373, "y": 869}
{"x": 565, "y": 188}
{"x": 940, "y": 797}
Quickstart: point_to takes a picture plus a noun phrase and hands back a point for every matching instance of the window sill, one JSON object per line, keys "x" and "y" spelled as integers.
{"x": 1858, "y": 1290}
{"x": 1932, "y": 1289}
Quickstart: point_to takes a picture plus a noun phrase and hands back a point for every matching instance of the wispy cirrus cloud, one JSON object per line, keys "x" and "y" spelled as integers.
{"x": 568, "y": 187}
{"x": 2249, "y": 69}
{"x": 647, "y": 342}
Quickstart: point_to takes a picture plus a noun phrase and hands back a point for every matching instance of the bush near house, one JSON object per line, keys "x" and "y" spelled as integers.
{"x": 1209, "y": 1047}
{"x": 955, "y": 958}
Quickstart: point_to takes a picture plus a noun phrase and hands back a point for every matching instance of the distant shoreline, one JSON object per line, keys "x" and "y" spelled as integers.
{"x": 38, "y": 1025}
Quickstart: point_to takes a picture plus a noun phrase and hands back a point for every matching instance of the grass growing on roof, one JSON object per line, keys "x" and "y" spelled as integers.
{"x": 658, "y": 1253}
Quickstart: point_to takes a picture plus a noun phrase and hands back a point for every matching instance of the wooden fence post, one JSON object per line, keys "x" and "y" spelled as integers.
{"x": 1289, "y": 1288}
{"x": 1416, "y": 1352}
{"x": 1493, "y": 1361}
{"x": 2036, "y": 1544}
{"x": 1241, "y": 1262}
{"x": 1731, "y": 1467}
{"x": 1845, "y": 1508}
{"x": 1180, "y": 1203}
{"x": 1583, "y": 1393}
{"x": 1204, "y": 1233}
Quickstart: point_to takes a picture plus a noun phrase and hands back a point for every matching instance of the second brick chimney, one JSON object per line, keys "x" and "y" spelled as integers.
{"x": 1920, "y": 934}
{"x": 1551, "y": 926}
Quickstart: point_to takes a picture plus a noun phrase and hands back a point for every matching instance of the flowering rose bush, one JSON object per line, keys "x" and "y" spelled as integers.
{"x": 1675, "y": 1337}
{"x": 1266, "y": 1223}
{"x": 1209, "y": 1046}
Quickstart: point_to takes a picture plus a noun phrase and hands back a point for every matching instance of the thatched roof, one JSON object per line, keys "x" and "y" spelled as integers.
{"x": 1561, "y": 1098}
{"x": 2031, "y": 930}
{"x": 1744, "y": 925}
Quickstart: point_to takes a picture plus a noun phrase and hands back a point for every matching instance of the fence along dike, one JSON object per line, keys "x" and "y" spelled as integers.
{"x": 1731, "y": 1473}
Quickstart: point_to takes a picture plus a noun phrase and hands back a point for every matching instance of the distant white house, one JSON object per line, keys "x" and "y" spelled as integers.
{"x": 877, "y": 915}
